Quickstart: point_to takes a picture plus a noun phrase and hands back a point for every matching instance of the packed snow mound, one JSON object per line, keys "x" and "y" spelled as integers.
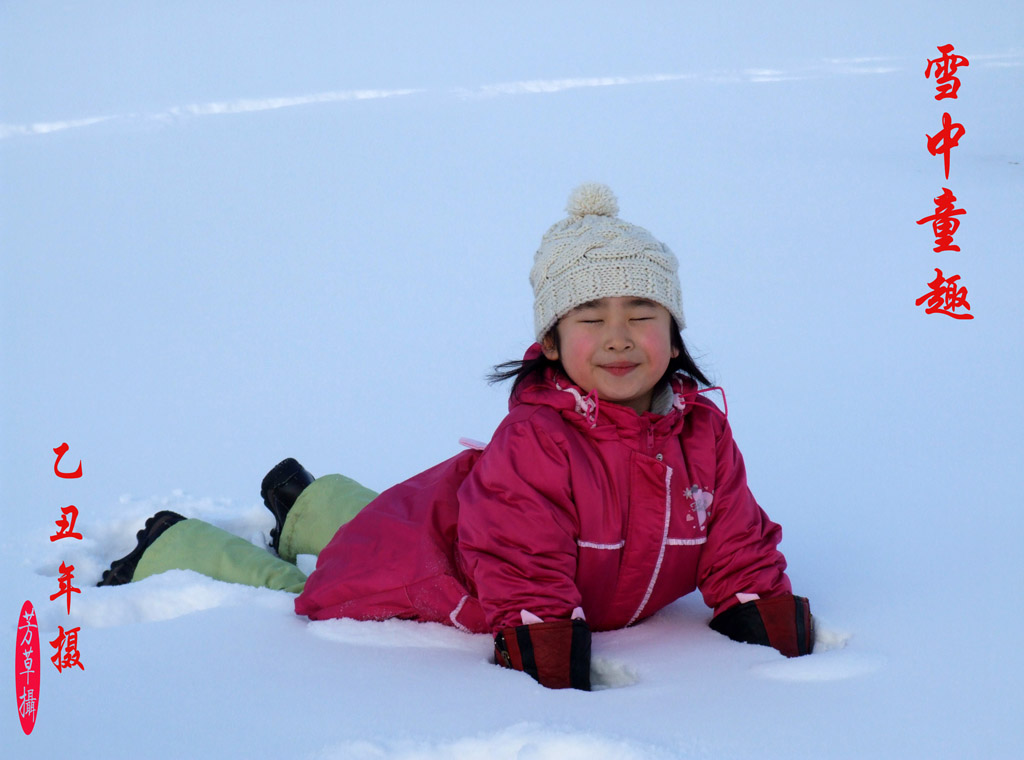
{"x": 524, "y": 741}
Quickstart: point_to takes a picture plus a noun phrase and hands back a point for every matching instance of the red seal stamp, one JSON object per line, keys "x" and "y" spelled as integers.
{"x": 26, "y": 667}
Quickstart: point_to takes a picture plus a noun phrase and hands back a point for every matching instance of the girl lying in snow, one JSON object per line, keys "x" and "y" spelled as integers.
{"x": 611, "y": 489}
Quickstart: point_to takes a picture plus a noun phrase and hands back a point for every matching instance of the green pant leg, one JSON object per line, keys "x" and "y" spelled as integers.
{"x": 323, "y": 506}
{"x": 197, "y": 545}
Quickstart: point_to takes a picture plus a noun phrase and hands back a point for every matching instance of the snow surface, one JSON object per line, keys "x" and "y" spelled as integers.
{"x": 234, "y": 233}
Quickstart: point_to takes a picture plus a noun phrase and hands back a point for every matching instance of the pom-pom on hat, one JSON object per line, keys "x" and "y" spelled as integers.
{"x": 593, "y": 254}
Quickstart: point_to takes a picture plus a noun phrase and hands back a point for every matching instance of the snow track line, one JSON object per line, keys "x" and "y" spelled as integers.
{"x": 827, "y": 67}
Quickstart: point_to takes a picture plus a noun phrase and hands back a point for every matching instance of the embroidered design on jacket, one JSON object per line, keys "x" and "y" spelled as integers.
{"x": 700, "y": 504}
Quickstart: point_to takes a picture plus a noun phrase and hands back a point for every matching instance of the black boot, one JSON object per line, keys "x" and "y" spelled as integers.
{"x": 122, "y": 570}
{"x": 280, "y": 488}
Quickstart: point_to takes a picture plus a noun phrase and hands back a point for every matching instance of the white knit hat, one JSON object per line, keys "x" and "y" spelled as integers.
{"x": 593, "y": 254}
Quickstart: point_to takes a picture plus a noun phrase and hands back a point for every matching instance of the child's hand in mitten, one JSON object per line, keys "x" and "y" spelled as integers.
{"x": 782, "y": 622}
{"x": 556, "y": 653}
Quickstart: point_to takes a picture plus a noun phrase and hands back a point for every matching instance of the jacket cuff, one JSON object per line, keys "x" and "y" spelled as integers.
{"x": 555, "y": 654}
{"x": 781, "y": 622}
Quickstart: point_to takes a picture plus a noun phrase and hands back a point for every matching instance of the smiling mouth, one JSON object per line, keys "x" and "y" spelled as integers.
{"x": 619, "y": 368}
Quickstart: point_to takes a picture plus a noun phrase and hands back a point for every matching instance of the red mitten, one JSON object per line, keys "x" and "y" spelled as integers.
{"x": 782, "y": 622}
{"x": 556, "y": 654}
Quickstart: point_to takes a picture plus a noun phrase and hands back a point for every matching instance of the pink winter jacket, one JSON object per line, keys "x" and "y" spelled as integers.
{"x": 572, "y": 504}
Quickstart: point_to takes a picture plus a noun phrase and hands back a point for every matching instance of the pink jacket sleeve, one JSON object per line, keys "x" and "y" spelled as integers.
{"x": 518, "y": 527}
{"x": 740, "y": 556}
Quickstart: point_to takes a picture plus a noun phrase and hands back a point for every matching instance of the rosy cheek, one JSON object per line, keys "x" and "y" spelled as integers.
{"x": 651, "y": 341}
{"x": 580, "y": 346}
{"x": 577, "y": 355}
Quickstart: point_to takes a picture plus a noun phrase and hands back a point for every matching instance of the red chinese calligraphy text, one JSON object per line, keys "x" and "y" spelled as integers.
{"x": 66, "y": 644}
{"x": 65, "y": 578}
{"x": 66, "y": 529}
{"x": 946, "y": 139}
{"x": 945, "y": 297}
{"x": 944, "y": 221}
{"x": 60, "y": 451}
{"x": 945, "y": 70}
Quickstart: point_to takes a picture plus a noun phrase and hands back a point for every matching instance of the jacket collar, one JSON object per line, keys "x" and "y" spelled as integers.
{"x": 671, "y": 403}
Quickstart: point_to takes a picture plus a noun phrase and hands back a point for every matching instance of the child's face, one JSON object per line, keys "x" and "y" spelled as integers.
{"x": 619, "y": 346}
